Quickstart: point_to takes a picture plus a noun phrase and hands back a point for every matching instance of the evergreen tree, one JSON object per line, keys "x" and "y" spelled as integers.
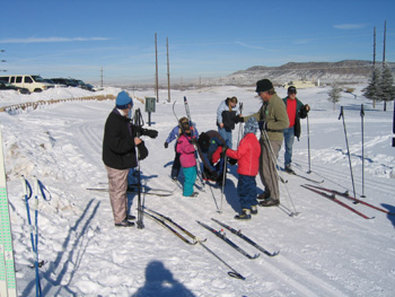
{"x": 334, "y": 94}
{"x": 373, "y": 90}
{"x": 386, "y": 86}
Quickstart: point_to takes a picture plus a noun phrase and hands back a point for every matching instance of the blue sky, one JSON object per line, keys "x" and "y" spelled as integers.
{"x": 206, "y": 38}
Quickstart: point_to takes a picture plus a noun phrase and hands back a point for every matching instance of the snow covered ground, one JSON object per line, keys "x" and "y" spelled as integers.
{"x": 326, "y": 250}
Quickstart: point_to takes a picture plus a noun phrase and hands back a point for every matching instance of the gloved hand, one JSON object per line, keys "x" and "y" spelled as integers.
{"x": 224, "y": 149}
{"x": 262, "y": 125}
{"x": 239, "y": 119}
{"x": 193, "y": 141}
{"x": 150, "y": 133}
{"x": 166, "y": 145}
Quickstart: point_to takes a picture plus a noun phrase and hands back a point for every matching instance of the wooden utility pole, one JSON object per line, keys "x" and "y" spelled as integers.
{"x": 156, "y": 69}
{"x": 101, "y": 77}
{"x": 385, "y": 34}
{"x": 168, "y": 70}
{"x": 374, "y": 46}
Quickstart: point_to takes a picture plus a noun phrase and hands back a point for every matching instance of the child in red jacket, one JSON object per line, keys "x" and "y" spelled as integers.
{"x": 247, "y": 155}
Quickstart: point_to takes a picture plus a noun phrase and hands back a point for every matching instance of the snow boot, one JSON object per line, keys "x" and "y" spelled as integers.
{"x": 244, "y": 215}
{"x": 254, "y": 210}
{"x": 265, "y": 195}
{"x": 269, "y": 202}
{"x": 288, "y": 169}
{"x": 124, "y": 223}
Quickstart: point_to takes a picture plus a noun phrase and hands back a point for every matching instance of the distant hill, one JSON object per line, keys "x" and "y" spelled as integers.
{"x": 348, "y": 71}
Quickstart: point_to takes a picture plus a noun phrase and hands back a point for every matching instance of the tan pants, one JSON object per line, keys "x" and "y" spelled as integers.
{"x": 117, "y": 186}
{"x": 267, "y": 169}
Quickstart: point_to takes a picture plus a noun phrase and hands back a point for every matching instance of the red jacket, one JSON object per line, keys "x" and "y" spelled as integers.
{"x": 247, "y": 155}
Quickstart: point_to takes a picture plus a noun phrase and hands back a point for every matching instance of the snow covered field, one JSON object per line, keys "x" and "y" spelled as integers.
{"x": 326, "y": 250}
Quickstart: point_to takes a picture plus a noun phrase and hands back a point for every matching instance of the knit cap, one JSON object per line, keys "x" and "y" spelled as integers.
{"x": 123, "y": 100}
{"x": 251, "y": 126}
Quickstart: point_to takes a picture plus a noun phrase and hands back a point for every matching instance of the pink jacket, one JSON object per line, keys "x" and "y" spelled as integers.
{"x": 187, "y": 151}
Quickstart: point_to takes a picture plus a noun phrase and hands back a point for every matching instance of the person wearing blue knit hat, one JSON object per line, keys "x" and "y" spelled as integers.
{"x": 119, "y": 156}
{"x": 123, "y": 100}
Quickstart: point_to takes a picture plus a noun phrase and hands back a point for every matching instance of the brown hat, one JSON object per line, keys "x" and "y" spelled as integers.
{"x": 263, "y": 85}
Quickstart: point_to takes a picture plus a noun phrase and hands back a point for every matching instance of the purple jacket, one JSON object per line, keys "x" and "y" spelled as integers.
{"x": 186, "y": 151}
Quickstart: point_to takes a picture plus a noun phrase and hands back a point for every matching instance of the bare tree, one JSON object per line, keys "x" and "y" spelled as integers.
{"x": 334, "y": 94}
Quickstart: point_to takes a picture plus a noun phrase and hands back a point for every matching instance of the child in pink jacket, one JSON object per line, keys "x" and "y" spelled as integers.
{"x": 186, "y": 150}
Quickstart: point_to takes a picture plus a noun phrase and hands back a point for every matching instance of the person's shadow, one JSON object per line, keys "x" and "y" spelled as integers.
{"x": 159, "y": 282}
{"x": 391, "y": 215}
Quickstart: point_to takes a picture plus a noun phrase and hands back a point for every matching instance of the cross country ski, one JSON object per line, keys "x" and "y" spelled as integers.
{"x": 332, "y": 196}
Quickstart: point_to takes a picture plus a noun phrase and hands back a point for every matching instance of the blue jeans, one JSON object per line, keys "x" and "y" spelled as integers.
{"x": 246, "y": 189}
{"x": 227, "y": 136}
{"x": 289, "y": 137}
{"x": 189, "y": 180}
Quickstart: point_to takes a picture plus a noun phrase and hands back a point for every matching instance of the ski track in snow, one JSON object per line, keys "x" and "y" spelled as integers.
{"x": 324, "y": 251}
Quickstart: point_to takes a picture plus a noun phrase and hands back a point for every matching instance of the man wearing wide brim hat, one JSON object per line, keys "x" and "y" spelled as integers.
{"x": 273, "y": 119}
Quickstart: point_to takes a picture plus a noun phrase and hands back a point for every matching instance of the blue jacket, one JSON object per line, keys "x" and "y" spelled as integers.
{"x": 176, "y": 132}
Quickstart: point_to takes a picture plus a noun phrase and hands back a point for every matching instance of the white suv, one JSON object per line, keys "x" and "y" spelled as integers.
{"x": 34, "y": 83}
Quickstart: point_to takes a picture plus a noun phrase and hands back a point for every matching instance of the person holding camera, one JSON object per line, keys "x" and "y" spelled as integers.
{"x": 119, "y": 155}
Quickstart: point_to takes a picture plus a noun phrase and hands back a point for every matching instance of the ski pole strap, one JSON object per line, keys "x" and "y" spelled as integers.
{"x": 27, "y": 188}
{"x": 341, "y": 115}
{"x": 236, "y": 275}
{"x": 43, "y": 189}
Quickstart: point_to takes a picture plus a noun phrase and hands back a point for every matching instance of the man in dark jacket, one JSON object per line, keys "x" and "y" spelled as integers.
{"x": 119, "y": 155}
{"x": 296, "y": 111}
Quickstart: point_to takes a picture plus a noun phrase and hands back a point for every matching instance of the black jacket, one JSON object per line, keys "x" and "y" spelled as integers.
{"x": 119, "y": 150}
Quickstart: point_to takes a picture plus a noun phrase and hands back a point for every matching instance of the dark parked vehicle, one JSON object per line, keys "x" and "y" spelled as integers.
{"x": 70, "y": 82}
{"x": 65, "y": 81}
{"x": 7, "y": 86}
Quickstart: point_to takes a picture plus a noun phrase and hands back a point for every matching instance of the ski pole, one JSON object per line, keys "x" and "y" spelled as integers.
{"x": 28, "y": 192}
{"x": 274, "y": 160}
{"x": 140, "y": 225}
{"x": 232, "y": 273}
{"x": 341, "y": 115}
{"x": 38, "y": 284}
{"x": 363, "y": 151}
{"x": 223, "y": 182}
{"x": 188, "y": 112}
{"x": 240, "y": 126}
{"x": 308, "y": 144}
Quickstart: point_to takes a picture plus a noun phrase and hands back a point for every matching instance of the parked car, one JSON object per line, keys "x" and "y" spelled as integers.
{"x": 34, "y": 83}
{"x": 7, "y": 86}
{"x": 65, "y": 81}
{"x": 70, "y": 82}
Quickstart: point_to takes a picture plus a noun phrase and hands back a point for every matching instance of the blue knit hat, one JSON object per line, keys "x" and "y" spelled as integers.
{"x": 123, "y": 100}
{"x": 251, "y": 126}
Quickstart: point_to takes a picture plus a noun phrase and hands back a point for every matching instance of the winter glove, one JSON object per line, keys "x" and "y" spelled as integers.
{"x": 142, "y": 151}
{"x": 193, "y": 141}
{"x": 232, "y": 161}
{"x": 150, "y": 133}
{"x": 239, "y": 119}
{"x": 262, "y": 125}
{"x": 166, "y": 145}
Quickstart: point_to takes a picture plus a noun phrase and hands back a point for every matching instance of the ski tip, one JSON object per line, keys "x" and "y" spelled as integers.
{"x": 236, "y": 275}
{"x": 272, "y": 254}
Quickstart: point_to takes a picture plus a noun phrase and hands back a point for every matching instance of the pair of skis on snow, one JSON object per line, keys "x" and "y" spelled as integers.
{"x": 331, "y": 195}
{"x": 191, "y": 239}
